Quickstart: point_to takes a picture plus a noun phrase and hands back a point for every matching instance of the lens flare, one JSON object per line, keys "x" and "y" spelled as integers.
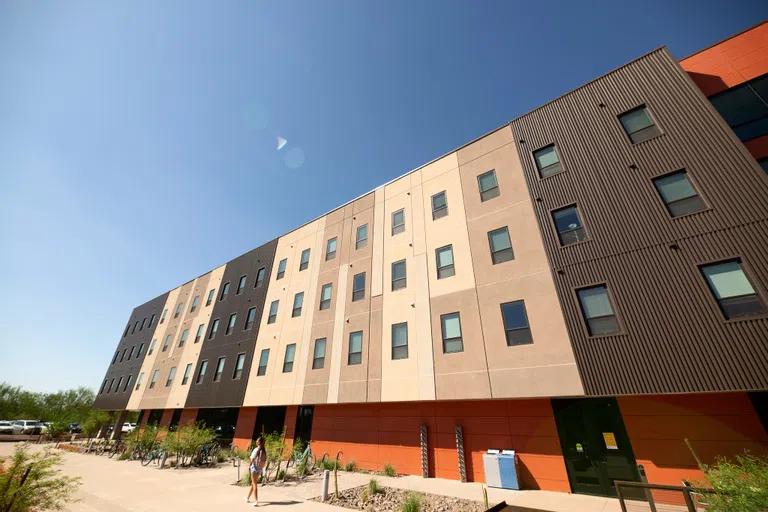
{"x": 281, "y": 142}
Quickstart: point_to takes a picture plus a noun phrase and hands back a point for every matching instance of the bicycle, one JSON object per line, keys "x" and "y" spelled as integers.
{"x": 153, "y": 454}
{"x": 118, "y": 448}
{"x": 206, "y": 454}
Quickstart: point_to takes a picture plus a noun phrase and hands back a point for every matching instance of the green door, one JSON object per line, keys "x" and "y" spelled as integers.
{"x": 595, "y": 444}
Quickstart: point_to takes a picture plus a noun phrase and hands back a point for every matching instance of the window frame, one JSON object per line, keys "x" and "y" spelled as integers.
{"x": 499, "y": 251}
{"x": 199, "y": 333}
{"x": 691, "y": 182}
{"x": 651, "y": 117}
{"x": 356, "y": 293}
{"x": 326, "y": 303}
{"x": 583, "y": 226}
{"x": 611, "y": 300}
{"x": 183, "y": 337}
{"x": 224, "y": 291}
{"x": 541, "y": 170}
{"x": 187, "y": 373}
{"x": 261, "y": 370}
{"x": 730, "y": 91}
{"x": 285, "y": 357}
{"x": 250, "y": 319}
{"x": 304, "y": 265}
{"x": 395, "y": 347}
{"x": 281, "y": 266}
{"x": 167, "y": 343}
{"x": 194, "y": 304}
{"x": 179, "y": 307}
{"x": 527, "y": 324}
{"x": 361, "y": 242}
{"x": 241, "y": 284}
{"x": 272, "y": 318}
{"x": 452, "y": 266}
{"x": 162, "y": 317}
{"x": 239, "y": 366}
{"x": 221, "y": 364}
{"x": 442, "y": 211}
{"x": 214, "y": 328}
{"x": 357, "y": 353}
{"x": 152, "y": 382}
{"x": 231, "y": 324}
{"x": 751, "y": 279}
{"x": 260, "y": 274}
{"x": 139, "y": 380}
{"x": 202, "y": 371}
{"x": 457, "y": 314}
{"x": 329, "y": 255}
{"x": 211, "y": 295}
{"x": 398, "y": 228}
{"x": 404, "y": 279}
{"x": 152, "y": 347}
{"x": 296, "y": 311}
{"x": 496, "y": 190}
{"x": 171, "y": 375}
{"x": 315, "y": 358}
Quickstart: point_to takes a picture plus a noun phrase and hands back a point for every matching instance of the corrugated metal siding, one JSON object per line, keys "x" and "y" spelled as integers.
{"x": 675, "y": 338}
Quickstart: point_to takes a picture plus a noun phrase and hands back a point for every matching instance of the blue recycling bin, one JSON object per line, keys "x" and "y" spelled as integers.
{"x": 508, "y": 470}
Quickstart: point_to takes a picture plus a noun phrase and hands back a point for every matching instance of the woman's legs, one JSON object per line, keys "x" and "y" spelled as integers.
{"x": 254, "y": 481}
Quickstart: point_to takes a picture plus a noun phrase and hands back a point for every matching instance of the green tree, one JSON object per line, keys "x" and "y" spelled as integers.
{"x": 44, "y": 488}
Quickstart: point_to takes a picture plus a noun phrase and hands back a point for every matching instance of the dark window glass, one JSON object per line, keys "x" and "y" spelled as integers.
{"x": 152, "y": 347}
{"x": 260, "y": 277}
{"x": 439, "y": 205}
{"x": 450, "y": 325}
{"x": 273, "y": 312}
{"x": 194, "y": 304}
{"x": 598, "y": 311}
{"x": 199, "y": 333}
{"x": 127, "y": 383}
{"x": 732, "y": 289}
{"x": 318, "y": 359}
{"x": 219, "y": 369}
{"x": 678, "y": 194}
{"x": 745, "y": 108}
{"x": 138, "y": 381}
{"x": 210, "y": 297}
{"x": 501, "y": 246}
{"x": 125, "y": 351}
{"x": 171, "y": 374}
{"x": 330, "y": 249}
{"x": 231, "y": 324}
{"x": 119, "y": 381}
{"x": 398, "y": 275}
{"x": 214, "y": 328}
{"x": 398, "y": 222}
{"x": 250, "y": 318}
{"x": 178, "y": 310}
{"x": 358, "y": 287}
{"x": 569, "y": 227}
{"x": 638, "y": 125}
{"x": 516, "y": 326}
{"x": 400, "y": 341}
{"x": 281, "y": 268}
{"x": 241, "y": 285}
{"x": 167, "y": 343}
{"x": 489, "y": 187}
{"x": 141, "y": 349}
{"x": 130, "y": 354}
{"x": 162, "y": 317}
{"x": 304, "y": 263}
{"x": 444, "y": 256}
{"x": 548, "y": 161}
{"x": 355, "y": 355}
{"x": 187, "y": 373}
{"x": 134, "y": 327}
{"x": 239, "y": 363}
{"x": 141, "y": 327}
{"x": 290, "y": 354}
{"x": 263, "y": 360}
{"x": 154, "y": 379}
{"x": 361, "y": 240}
{"x": 201, "y": 373}
{"x": 183, "y": 338}
{"x": 151, "y": 321}
{"x": 112, "y": 383}
{"x": 224, "y": 291}
{"x": 764, "y": 164}
{"x": 325, "y": 296}
{"x": 298, "y": 302}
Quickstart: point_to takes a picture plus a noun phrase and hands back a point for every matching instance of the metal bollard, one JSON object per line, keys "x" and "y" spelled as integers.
{"x": 326, "y": 479}
{"x": 162, "y": 460}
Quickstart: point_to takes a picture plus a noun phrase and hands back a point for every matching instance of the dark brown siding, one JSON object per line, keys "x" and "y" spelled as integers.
{"x": 229, "y": 392}
{"x": 117, "y": 400}
{"x": 674, "y": 338}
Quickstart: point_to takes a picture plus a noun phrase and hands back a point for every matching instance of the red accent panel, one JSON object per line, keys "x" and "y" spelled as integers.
{"x": 165, "y": 420}
{"x": 758, "y": 147}
{"x": 246, "y": 422}
{"x": 188, "y": 416}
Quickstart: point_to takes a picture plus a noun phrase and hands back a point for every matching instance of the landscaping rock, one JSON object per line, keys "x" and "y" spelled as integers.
{"x": 389, "y": 500}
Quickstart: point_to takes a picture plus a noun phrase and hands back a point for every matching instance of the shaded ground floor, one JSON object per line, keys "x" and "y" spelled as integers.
{"x": 564, "y": 445}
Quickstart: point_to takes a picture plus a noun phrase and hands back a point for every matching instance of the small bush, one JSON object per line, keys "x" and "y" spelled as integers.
{"x": 739, "y": 486}
{"x": 373, "y": 487}
{"x": 223, "y": 457}
{"x": 125, "y": 455}
{"x": 45, "y": 487}
{"x": 302, "y": 468}
{"x": 389, "y": 469}
{"x": 350, "y": 466}
{"x": 298, "y": 447}
{"x": 364, "y": 496}
{"x": 412, "y": 503}
{"x": 281, "y": 475}
{"x": 330, "y": 465}
{"x": 245, "y": 480}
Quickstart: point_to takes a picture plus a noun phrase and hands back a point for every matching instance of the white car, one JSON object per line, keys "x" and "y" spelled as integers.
{"x": 6, "y": 427}
{"x": 128, "y": 428}
{"x": 27, "y": 427}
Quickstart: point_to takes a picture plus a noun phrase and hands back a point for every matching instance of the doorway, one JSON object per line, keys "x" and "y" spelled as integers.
{"x": 303, "y": 428}
{"x": 269, "y": 419}
{"x": 595, "y": 444}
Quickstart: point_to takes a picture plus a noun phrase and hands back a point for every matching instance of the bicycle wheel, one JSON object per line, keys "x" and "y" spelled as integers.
{"x": 213, "y": 455}
{"x": 112, "y": 452}
{"x": 148, "y": 457}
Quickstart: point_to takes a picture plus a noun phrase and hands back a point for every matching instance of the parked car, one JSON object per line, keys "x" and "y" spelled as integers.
{"x": 74, "y": 428}
{"x": 27, "y": 427}
{"x": 128, "y": 428}
{"x": 6, "y": 427}
{"x": 45, "y": 426}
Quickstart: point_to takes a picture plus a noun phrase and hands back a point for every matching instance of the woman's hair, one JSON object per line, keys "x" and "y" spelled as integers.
{"x": 260, "y": 444}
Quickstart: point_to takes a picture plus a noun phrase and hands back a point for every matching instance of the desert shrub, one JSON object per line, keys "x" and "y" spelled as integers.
{"x": 328, "y": 464}
{"x": 57, "y": 429}
{"x": 373, "y": 487}
{"x": 389, "y": 470}
{"x": 274, "y": 443}
{"x": 149, "y": 435}
{"x": 193, "y": 436}
{"x": 245, "y": 480}
{"x": 412, "y": 503}
{"x": 124, "y": 456}
{"x": 171, "y": 443}
{"x": 44, "y": 488}
{"x": 93, "y": 423}
{"x": 281, "y": 475}
{"x": 364, "y": 496}
{"x": 350, "y": 466}
{"x": 738, "y": 486}
{"x": 298, "y": 447}
{"x": 302, "y": 468}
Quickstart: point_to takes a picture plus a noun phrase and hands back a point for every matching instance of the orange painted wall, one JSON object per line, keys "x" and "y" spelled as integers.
{"x": 246, "y": 421}
{"x": 731, "y": 62}
{"x": 165, "y": 420}
{"x": 716, "y": 424}
{"x": 188, "y": 416}
{"x": 376, "y": 434}
{"x": 290, "y": 424}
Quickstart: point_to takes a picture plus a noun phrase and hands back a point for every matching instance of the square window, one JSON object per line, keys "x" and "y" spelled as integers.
{"x": 569, "y": 227}
{"x": 548, "y": 161}
{"x": 273, "y": 312}
{"x": 231, "y": 324}
{"x": 224, "y": 292}
{"x": 678, "y": 194}
{"x": 439, "y": 205}
{"x": 298, "y": 302}
{"x": 358, "y": 287}
{"x": 597, "y": 310}
{"x": 638, "y": 124}
{"x": 219, "y": 369}
{"x": 214, "y": 328}
{"x": 445, "y": 267}
{"x": 201, "y": 373}
{"x": 361, "y": 239}
{"x": 171, "y": 374}
{"x": 281, "y": 268}
{"x": 732, "y": 289}
{"x": 318, "y": 359}
{"x": 450, "y": 326}
{"x": 210, "y": 297}
{"x": 290, "y": 354}
{"x": 398, "y": 275}
{"x": 187, "y": 373}
{"x": 241, "y": 285}
{"x": 260, "y": 277}
{"x": 489, "y": 187}
{"x": 398, "y": 222}
{"x": 304, "y": 263}
{"x": 330, "y": 249}
{"x": 355, "y": 355}
{"x": 400, "y": 341}
{"x": 250, "y": 318}
{"x": 263, "y": 360}
{"x": 501, "y": 246}
{"x": 325, "y": 296}
{"x": 515, "y": 318}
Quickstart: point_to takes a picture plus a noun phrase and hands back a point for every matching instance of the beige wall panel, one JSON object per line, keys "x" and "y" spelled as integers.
{"x": 424, "y": 354}
{"x": 374, "y": 350}
{"x": 460, "y": 375}
{"x": 336, "y": 344}
{"x": 350, "y": 233}
{"x": 363, "y": 305}
{"x": 439, "y": 167}
{"x": 353, "y": 379}
{"x": 364, "y": 203}
{"x": 315, "y": 389}
{"x": 486, "y": 144}
{"x": 399, "y": 186}
{"x": 417, "y": 227}
{"x": 379, "y": 221}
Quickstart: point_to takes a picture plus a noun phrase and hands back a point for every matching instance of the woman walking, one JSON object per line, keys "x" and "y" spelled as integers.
{"x": 258, "y": 460}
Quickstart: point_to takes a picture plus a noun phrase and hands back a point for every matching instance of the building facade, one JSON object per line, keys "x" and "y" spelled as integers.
{"x": 587, "y": 285}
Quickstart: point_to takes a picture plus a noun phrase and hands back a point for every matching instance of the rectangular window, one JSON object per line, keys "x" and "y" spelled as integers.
{"x": 127, "y": 328}
{"x": 325, "y": 296}
{"x": 516, "y": 323}
{"x": 134, "y": 327}
{"x": 178, "y": 310}
{"x": 199, "y": 333}
{"x": 151, "y": 321}
{"x": 119, "y": 381}
{"x": 111, "y": 383}
{"x": 548, "y": 161}
{"x": 734, "y": 293}
{"x": 298, "y": 301}
{"x": 451, "y": 329}
{"x": 138, "y": 381}
{"x": 638, "y": 124}
{"x": 330, "y": 249}
{"x": 224, "y": 292}
{"x": 290, "y": 354}
{"x": 678, "y": 194}
{"x": 104, "y": 385}
{"x": 263, "y": 360}
{"x": 127, "y": 383}
{"x": 501, "y": 246}
{"x": 444, "y": 256}
{"x": 489, "y": 187}
{"x": 141, "y": 327}
{"x": 210, "y": 297}
{"x": 398, "y": 221}
{"x": 183, "y": 338}
{"x": 400, "y": 341}
{"x": 171, "y": 374}
{"x": 231, "y": 324}
{"x": 152, "y": 347}
{"x": 355, "y": 355}
{"x": 250, "y": 318}
{"x": 745, "y": 108}
{"x": 154, "y": 379}
{"x": 361, "y": 238}
{"x": 219, "y": 369}
{"x": 239, "y": 363}
{"x": 273, "y": 312}
{"x": 241, "y": 285}
{"x": 141, "y": 349}
{"x": 167, "y": 342}
{"x": 304, "y": 262}
{"x": 569, "y": 227}
{"x": 201, "y": 373}
{"x": 214, "y": 328}
{"x": 260, "y": 277}
{"x": 117, "y": 354}
{"x": 358, "y": 287}
{"x": 195, "y": 301}
{"x": 162, "y": 317}
{"x": 281, "y": 268}
{"x": 125, "y": 351}
{"x": 597, "y": 310}
{"x": 318, "y": 359}
{"x": 439, "y": 205}
{"x": 130, "y": 354}
{"x": 187, "y": 373}
{"x": 398, "y": 275}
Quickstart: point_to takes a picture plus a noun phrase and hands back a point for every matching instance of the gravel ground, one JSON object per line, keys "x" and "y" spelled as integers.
{"x": 389, "y": 500}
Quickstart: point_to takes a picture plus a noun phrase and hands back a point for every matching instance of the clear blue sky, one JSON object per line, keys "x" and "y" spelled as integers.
{"x": 138, "y": 139}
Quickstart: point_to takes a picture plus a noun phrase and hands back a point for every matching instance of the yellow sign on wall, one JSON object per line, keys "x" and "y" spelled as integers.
{"x": 610, "y": 441}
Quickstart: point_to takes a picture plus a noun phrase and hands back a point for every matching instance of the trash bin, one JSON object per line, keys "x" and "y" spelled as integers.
{"x": 491, "y": 467}
{"x": 507, "y": 462}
